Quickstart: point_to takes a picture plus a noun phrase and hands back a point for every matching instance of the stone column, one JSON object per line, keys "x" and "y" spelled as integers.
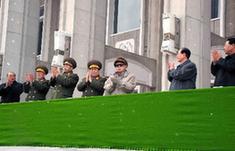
{"x": 153, "y": 36}
{"x": 51, "y": 23}
{"x": 197, "y": 38}
{"x": 19, "y": 36}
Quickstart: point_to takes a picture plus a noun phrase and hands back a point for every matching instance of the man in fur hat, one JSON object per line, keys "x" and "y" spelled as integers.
{"x": 122, "y": 81}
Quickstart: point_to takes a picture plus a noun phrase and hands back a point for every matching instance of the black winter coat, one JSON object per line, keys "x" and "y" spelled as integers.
{"x": 224, "y": 71}
{"x": 11, "y": 93}
{"x": 183, "y": 77}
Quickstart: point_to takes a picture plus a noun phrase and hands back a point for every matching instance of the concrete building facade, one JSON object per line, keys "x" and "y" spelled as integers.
{"x": 104, "y": 30}
{"x": 18, "y": 29}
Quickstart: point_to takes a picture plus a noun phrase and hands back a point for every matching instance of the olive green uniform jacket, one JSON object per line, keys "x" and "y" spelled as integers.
{"x": 63, "y": 85}
{"x": 93, "y": 88}
{"x": 37, "y": 90}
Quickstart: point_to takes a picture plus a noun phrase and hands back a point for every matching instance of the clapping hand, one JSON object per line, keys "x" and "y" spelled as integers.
{"x": 114, "y": 79}
{"x": 29, "y": 77}
{"x": 216, "y": 55}
{"x": 171, "y": 66}
{"x": 8, "y": 83}
{"x": 88, "y": 77}
{"x": 54, "y": 72}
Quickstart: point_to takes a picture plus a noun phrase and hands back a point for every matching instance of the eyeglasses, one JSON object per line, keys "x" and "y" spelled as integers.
{"x": 118, "y": 65}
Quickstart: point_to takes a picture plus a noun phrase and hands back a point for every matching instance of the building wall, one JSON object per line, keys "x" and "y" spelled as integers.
{"x": 230, "y": 21}
{"x": 227, "y": 24}
{"x": 153, "y": 36}
{"x": 19, "y": 36}
{"x": 145, "y": 40}
{"x": 128, "y": 41}
{"x": 50, "y": 25}
{"x": 1, "y": 30}
{"x": 215, "y": 26}
{"x": 1, "y": 23}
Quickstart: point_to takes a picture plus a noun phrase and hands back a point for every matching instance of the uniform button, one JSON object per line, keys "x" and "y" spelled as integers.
{"x": 33, "y": 96}
{"x": 34, "y": 92}
{"x": 91, "y": 90}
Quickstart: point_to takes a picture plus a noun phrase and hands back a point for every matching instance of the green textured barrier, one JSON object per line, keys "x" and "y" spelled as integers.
{"x": 183, "y": 120}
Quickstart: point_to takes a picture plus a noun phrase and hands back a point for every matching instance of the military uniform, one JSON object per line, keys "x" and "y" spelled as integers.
{"x": 64, "y": 84}
{"x": 37, "y": 90}
{"x": 93, "y": 88}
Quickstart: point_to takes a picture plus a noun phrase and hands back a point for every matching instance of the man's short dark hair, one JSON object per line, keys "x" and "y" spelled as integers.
{"x": 186, "y": 51}
{"x": 231, "y": 41}
{"x": 11, "y": 72}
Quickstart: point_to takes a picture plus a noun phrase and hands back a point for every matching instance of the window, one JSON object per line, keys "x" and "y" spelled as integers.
{"x": 126, "y": 15}
{"x": 214, "y": 9}
{"x": 40, "y": 31}
{"x": 40, "y": 38}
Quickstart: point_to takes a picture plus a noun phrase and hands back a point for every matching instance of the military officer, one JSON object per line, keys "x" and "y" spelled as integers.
{"x": 93, "y": 83}
{"x": 64, "y": 83}
{"x": 37, "y": 89}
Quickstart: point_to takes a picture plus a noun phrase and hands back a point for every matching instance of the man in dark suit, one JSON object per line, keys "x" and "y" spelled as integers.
{"x": 37, "y": 88}
{"x": 11, "y": 90}
{"x": 184, "y": 76}
{"x": 93, "y": 83}
{"x": 224, "y": 68}
{"x": 64, "y": 83}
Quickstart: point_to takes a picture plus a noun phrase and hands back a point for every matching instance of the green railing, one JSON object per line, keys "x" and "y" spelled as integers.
{"x": 178, "y": 120}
